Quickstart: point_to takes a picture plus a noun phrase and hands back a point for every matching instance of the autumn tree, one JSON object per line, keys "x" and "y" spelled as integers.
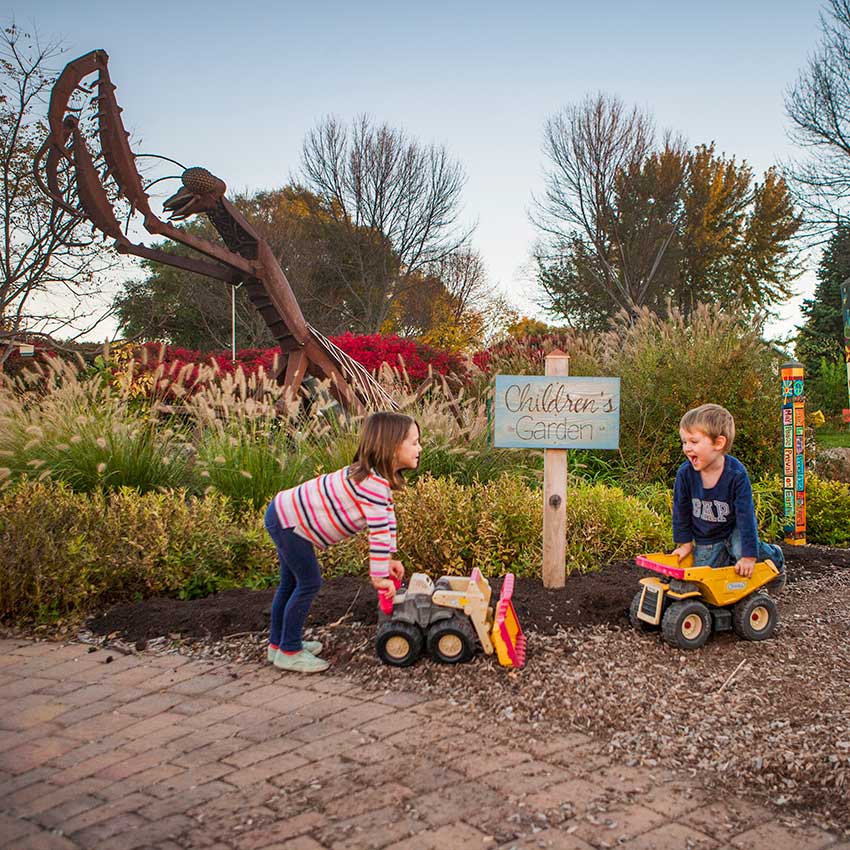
{"x": 49, "y": 260}
{"x": 194, "y": 311}
{"x": 391, "y": 204}
{"x": 628, "y": 222}
{"x": 449, "y": 306}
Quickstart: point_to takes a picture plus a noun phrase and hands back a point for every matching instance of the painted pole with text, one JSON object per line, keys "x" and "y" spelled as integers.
{"x": 556, "y": 412}
{"x": 794, "y": 452}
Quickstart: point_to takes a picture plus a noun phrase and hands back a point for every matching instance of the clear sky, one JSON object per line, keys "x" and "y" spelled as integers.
{"x": 235, "y": 86}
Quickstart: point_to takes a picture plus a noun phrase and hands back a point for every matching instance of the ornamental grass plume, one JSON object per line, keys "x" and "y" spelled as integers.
{"x": 85, "y": 431}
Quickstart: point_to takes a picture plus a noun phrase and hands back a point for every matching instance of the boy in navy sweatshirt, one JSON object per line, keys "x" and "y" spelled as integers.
{"x": 713, "y": 512}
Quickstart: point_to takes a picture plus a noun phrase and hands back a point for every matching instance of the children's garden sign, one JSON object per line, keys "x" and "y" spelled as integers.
{"x": 552, "y": 412}
{"x": 555, "y": 412}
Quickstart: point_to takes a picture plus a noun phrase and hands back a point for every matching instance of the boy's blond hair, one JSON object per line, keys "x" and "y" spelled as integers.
{"x": 713, "y": 420}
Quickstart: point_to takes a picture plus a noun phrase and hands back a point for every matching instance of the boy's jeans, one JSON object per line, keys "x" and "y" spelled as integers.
{"x": 728, "y": 552}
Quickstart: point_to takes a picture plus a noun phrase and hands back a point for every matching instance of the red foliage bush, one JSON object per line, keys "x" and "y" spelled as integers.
{"x": 370, "y": 350}
{"x": 15, "y": 363}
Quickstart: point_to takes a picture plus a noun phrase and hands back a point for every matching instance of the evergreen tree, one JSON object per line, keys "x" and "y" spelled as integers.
{"x": 821, "y": 335}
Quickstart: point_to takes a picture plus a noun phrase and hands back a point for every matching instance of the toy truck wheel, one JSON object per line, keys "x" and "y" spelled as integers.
{"x": 451, "y": 641}
{"x": 755, "y": 617}
{"x": 398, "y": 644}
{"x": 633, "y": 615}
{"x": 686, "y": 624}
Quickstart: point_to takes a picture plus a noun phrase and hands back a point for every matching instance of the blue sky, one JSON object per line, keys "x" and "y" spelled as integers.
{"x": 235, "y": 87}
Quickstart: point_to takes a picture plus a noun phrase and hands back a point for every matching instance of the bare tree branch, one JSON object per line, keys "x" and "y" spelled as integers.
{"x": 818, "y": 104}
{"x": 41, "y": 251}
{"x": 393, "y": 201}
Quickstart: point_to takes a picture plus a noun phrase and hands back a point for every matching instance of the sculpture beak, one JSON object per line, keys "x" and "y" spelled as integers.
{"x": 181, "y": 205}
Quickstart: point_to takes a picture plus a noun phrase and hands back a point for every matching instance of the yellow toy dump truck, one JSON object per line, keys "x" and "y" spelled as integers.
{"x": 687, "y": 603}
{"x": 451, "y": 617}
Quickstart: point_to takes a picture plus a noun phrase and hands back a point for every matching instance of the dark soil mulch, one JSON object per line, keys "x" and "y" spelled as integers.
{"x": 588, "y": 599}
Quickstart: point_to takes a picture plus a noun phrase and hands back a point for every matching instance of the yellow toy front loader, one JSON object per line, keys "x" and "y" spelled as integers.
{"x": 687, "y": 603}
{"x": 451, "y": 617}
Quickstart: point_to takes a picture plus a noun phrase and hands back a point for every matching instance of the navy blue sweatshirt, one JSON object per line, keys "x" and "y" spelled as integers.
{"x": 711, "y": 515}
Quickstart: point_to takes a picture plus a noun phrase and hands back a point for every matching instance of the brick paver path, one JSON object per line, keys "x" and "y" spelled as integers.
{"x": 101, "y": 751}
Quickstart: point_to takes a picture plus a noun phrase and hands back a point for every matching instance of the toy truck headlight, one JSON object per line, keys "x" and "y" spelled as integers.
{"x": 651, "y": 603}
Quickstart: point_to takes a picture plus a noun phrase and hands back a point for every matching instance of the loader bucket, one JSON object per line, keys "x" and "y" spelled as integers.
{"x": 508, "y": 639}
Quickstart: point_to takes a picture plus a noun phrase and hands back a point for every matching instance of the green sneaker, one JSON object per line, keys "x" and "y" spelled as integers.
{"x": 312, "y": 646}
{"x": 300, "y": 662}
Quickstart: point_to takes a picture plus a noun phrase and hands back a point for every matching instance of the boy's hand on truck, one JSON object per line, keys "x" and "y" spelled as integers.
{"x": 683, "y": 550}
{"x": 745, "y": 567}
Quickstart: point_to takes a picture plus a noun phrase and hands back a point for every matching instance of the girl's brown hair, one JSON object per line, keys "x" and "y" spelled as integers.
{"x": 381, "y": 435}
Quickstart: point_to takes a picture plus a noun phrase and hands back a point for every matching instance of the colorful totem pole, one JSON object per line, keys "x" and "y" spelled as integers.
{"x": 845, "y": 312}
{"x": 794, "y": 452}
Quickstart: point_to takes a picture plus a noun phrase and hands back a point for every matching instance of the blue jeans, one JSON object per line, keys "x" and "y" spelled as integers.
{"x": 728, "y": 552}
{"x": 300, "y": 580}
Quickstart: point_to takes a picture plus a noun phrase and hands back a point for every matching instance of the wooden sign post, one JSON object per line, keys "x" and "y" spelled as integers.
{"x": 555, "y": 494}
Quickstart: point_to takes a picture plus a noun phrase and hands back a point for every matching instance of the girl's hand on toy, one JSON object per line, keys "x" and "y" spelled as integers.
{"x": 745, "y": 567}
{"x": 397, "y": 570}
{"x": 384, "y": 586}
{"x": 683, "y": 550}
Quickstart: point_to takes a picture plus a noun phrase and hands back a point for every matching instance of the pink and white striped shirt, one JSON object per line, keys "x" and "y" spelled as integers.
{"x": 334, "y": 507}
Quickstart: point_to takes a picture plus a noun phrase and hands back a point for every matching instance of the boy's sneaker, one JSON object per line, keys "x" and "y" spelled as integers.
{"x": 775, "y": 587}
{"x": 312, "y": 646}
{"x": 300, "y": 662}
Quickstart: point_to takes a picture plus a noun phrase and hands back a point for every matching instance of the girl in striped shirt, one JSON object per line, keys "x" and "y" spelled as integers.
{"x": 326, "y": 510}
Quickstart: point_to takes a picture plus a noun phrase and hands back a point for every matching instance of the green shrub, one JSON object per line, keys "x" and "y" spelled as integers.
{"x": 446, "y": 528}
{"x": 826, "y": 388}
{"x": 769, "y": 504}
{"x": 437, "y": 520}
{"x": 656, "y": 496}
{"x": 604, "y": 524}
{"x": 62, "y": 551}
{"x": 668, "y": 366}
{"x": 827, "y": 512}
{"x": 509, "y": 533}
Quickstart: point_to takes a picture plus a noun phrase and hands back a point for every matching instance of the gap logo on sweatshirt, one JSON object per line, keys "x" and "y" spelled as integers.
{"x": 710, "y": 510}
